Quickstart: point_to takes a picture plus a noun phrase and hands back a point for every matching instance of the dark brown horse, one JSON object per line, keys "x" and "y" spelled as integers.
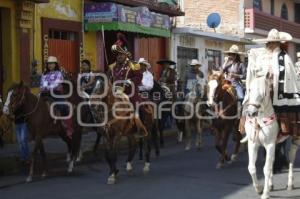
{"x": 41, "y": 124}
{"x": 117, "y": 127}
{"x": 222, "y": 97}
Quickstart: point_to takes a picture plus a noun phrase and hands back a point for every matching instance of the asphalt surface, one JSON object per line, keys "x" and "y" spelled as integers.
{"x": 176, "y": 174}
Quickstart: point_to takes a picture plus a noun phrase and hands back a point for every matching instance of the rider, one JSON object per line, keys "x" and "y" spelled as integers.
{"x": 87, "y": 81}
{"x": 235, "y": 70}
{"x": 51, "y": 80}
{"x": 273, "y": 60}
{"x": 148, "y": 79}
{"x": 124, "y": 70}
{"x": 194, "y": 77}
{"x": 168, "y": 74}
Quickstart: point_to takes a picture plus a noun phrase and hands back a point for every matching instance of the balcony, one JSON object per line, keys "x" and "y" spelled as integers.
{"x": 153, "y": 5}
{"x": 255, "y": 19}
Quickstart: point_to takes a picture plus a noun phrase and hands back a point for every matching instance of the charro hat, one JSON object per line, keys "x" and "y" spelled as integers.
{"x": 234, "y": 49}
{"x": 52, "y": 59}
{"x": 275, "y": 36}
{"x": 166, "y": 61}
{"x": 195, "y": 62}
{"x": 145, "y": 62}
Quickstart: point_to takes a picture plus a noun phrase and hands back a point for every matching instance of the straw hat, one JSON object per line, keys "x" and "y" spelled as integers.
{"x": 145, "y": 62}
{"x": 195, "y": 62}
{"x": 234, "y": 49}
{"x": 166, "y": 61}
{"x": 52, "y": 59}
{"x": 275, "y": 36}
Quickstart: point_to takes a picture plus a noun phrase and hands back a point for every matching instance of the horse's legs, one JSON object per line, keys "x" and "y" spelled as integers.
{"x": 44, "y": 159}
{"x": 147, "y": 154}
{"x": 270, "y": 149}
{"x": 33, "y": 159}
{"x": 132, "y": 151}
{"x": 141, "y": 147}
{"x": 292, "y": 157}
{"x": 237, "y": 146}
{"x": 252, "y": 152}
{"x": 224, "y": 157}
{"x": 111, "y": 158}
{"x": 154, "y": 137}
{"x": 199, "y": 133}
{"x": 188, "y": 130}
{"x": 161, "y": 131}
{"x": 67, "y": 140}
{"x": 99, "y": 135}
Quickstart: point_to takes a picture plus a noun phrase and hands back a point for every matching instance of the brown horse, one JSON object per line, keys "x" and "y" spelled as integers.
{"x": 222, "y": 97}
{"x": 41, "y": 125}
{"x": 117, "y": 127}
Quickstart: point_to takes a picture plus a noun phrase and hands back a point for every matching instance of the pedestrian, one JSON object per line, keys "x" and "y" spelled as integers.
{"x": 235, "y": 70}
{"x": 21, "y": 131}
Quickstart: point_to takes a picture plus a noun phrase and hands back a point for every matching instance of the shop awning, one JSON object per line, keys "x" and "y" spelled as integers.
{"x": 112, "y": 16}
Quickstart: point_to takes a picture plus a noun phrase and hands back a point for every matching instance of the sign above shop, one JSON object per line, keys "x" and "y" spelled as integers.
{"x": 114, "y": 16}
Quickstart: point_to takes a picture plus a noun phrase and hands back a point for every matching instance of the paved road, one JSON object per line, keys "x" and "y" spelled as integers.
{"x": 176, "y": 175}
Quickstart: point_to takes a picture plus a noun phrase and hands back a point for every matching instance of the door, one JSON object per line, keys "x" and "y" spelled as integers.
{"x": 65, "y": 46}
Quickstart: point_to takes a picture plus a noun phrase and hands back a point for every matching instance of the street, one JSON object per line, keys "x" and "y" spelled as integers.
{"x": 175, "y": 174}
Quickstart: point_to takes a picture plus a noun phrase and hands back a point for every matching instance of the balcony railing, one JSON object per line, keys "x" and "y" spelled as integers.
{"x": 153, "y": 5}
{"x": 255, "y": 19}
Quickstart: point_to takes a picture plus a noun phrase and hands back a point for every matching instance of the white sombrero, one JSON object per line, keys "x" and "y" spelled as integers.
{"x": 275, "y": 36}
{"x": 195, "y": 62}
{"x": 145, "y": 62}
{"x": 234, "y": 49}
{"x": 52, "y": 59}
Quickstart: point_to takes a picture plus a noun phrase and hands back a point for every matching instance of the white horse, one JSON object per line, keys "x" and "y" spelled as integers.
{"x": 261, "y": 129}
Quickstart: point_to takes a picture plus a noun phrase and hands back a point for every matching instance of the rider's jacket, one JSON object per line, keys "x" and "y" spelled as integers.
{"x": 131, "y": 76}
{"x": 237, "y": 69}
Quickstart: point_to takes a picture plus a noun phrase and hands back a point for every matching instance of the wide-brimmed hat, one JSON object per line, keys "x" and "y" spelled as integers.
{"x": 166, "y": 61}
{"x": 275, "y": 36}
{"x": 118, "y": 49}
{"x": 145, "y": 62}
{"x": 234, "y": 49}
{"x": 298, "y": 54}
{"x": 52, "y": 59}
{"x": 195, "y": 62}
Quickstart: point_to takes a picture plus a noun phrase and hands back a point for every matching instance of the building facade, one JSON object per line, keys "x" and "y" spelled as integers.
{"x": 193, "y": 39}
{"x": 263, "y": 15}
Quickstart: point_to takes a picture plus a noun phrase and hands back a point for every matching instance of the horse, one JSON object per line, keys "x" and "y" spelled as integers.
{"x": 292, "y": 156}
{"x": 222, "y": 97}
{"x": 121, "y": 121}
{"x": 261, "y": 129}
{"x": 41, "y": 124}
{"x": 193, "y": 110}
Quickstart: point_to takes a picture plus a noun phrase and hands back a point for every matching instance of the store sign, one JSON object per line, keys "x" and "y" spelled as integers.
{"x": 46, "y": 48}
{"x": 110, "y": 12}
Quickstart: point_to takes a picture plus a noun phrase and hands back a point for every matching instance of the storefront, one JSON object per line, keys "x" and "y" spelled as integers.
{"x": 147, "y": 32}
{"x": 190, "y": 43}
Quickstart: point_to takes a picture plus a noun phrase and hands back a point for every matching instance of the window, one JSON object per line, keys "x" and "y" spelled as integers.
{"x": 62, "y": 35}
{"x": 297, "y": 13}
{"x": 272, "y": 7}
{"x": 257, "y": 4}
{"x": 284, "y": 12}
{"x": 184, "y": 57}
{"x": 214, "y": 59}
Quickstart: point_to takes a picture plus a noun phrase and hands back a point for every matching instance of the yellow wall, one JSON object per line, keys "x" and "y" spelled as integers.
{"x": 65, "y": 10}
{"x": 11, "y": 61}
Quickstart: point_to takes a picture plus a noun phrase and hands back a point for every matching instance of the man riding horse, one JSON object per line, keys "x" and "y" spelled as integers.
{"x": 128, "y": 76}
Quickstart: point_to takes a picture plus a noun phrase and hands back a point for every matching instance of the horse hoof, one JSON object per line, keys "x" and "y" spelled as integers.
{"x": 233, "y": 158}
{"x": 29, "y": 179}
{"x": 129, "y": 167}
{"x": 146, "y": 168}
{"x": 180, "y": 136}
{"x": 265, "y": 197}
{"x": 259, "y": 189}
{"x": 219, "y": 165}
{"x": 111, "y": 180}
{"x": 187, "y": 147}
{"x": 271, "y": 188}
{"x": 44, "y": 175}
{"x": 290, "y": 187}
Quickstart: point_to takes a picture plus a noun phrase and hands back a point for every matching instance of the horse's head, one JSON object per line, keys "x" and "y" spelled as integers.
{"x": 16, "y": 97}
{"x": 215, "y": 82}
{"x": 259, "y": 95}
